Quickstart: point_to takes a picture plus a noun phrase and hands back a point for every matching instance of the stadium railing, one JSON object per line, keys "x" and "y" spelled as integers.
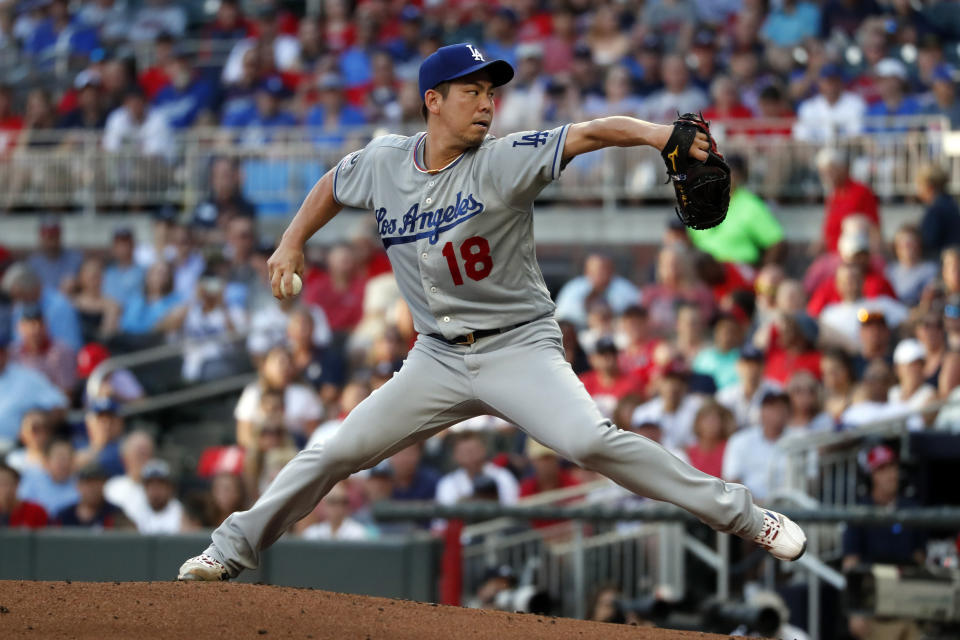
{"x": 609, "y": 536}
{"x": 71, "y": 170}
{"x": 669, "y": 519}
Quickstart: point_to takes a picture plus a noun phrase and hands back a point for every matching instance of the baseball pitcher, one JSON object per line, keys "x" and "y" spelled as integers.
{"x": 454, "y": 207}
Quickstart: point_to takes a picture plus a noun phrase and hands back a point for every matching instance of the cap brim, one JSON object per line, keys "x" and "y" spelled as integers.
{"x": 501, "y": 72}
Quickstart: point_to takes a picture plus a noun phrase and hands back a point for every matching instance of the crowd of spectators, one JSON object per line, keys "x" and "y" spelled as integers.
{"x": 818, "y": 68}
{"x": 718, "y": 349}
{"x": 721, "y": 347}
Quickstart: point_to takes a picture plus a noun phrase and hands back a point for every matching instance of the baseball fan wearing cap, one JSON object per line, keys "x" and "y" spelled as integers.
{"x": 104, "y": 433}
{"x": 832, "y": 112}
{"x": 913, "y": 392}
{"x": 606, "y": 382}
{"x": 454, "y": 210}
{"x": 161, "y": 512}
{"x": 744, "y": 398}
{"x": 753, "y": 456}
{"x": 883, "y": 544}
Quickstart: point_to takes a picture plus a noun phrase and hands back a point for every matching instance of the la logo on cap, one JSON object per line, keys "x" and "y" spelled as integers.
{"x": 476, "y": 53}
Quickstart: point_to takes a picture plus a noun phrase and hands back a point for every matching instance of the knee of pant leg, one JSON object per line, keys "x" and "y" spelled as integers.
{"x": 341, "y": 455}
{"x": 587, "y": 448}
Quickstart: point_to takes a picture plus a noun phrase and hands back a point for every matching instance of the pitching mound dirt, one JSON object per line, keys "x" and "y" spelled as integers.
{"x": 147, "y": 610}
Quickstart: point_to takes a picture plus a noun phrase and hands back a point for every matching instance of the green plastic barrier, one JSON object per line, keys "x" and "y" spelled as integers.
{"x": 400, "y": 567}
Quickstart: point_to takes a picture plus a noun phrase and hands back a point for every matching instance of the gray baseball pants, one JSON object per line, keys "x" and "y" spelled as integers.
{"x": 520, "y": 376}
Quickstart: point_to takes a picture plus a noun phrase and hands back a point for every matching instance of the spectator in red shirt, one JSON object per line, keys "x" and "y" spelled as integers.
{"x": 606, "y": 382}
{"x": 726, "y": 102}
{"x": 712, "y": 427}
{"x": 824, "y": 267}
{"x": 636, "y": 356}
{"x": 845, "y": 196}
{"x": 558, "y": 47}
{"x": 723, "y": 278}
{"x": 855, "y": 250}
{"x": 369, "y": 252}
{"x": 10, "y": 123}
{"x": 792, "y": 348}
{"x": 156, "y": 77}
{"x": 338, "y": 290}
{"x": 548, "y": 475}
{"x": 229, "y": 23}
{"x": 38, "y": 350}
{"x": 675, "y": 284}
{"x": 14, "y": 512}
{"x": 773, "y": 108}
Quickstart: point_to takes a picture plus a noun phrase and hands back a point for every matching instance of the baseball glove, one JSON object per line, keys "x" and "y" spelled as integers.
{"x": 703, "y": 187}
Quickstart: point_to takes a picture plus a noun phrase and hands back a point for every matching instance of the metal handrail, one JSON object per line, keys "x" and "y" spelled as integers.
{"x": 285, "y": 162}
{"x": 306, "y": 135}
{"x": 174, "y": 398}
{"x": 546, "y": 497}
{"x": 193, "y": 393}
{"x": 887, "y": 426}
{"x": 150, "y": 355}
{"x": 929, "y": 517}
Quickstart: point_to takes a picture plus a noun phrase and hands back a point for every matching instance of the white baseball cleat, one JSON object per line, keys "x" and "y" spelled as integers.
{"x": 203, "y": 568}
{"x": 781, "y": 536}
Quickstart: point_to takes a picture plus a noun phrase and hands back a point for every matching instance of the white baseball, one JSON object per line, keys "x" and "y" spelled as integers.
{"x": 296, "y": 285}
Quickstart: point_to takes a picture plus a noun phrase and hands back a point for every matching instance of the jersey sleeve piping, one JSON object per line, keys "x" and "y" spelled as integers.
{"x": 336, "y": 174}
{"x": 557, "y": 156}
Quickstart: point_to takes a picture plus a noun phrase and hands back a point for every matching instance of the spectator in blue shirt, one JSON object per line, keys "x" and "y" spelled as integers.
{"x": 412, "y": 480}
{"x": 123, "y": 279}
{"x": 940, "y": 225}
{"x": 240, "y": 96}
{"x": 892, "y": 544}
{"x": 91, "y": 109}
{"x": 59, "y": 33}
{"x": 53, "y": 487}
{"x": 892, "y": 83}
{"x": 23, "y": 389}
{"x": 226, "y": 197}
{"x": 51, "y": 262}
{"x": 92, "y": 509}
{"x": 943, "y": 95}
{"x": 104, "y": 433}
{"x": 791, "y": 23}
{"x": 355, "y": 65}
{"x": 500, "y": 39}
{"x": 330, "y": 116}
{"x": 159, "y": 308}
{"x": 265, "y": 114}
{"x": 405, "y": 47}
{"x": 23, "y": 286}
{"x": 187, "y": 96}
{"x": 599, "y": 283}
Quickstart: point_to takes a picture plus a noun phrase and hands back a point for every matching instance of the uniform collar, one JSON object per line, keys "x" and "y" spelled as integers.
{"x": 418, "y": 158}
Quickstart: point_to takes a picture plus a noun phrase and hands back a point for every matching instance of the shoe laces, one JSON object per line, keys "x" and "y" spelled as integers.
{"x": 771, "y": 529}
{"x": 210, "y": 562}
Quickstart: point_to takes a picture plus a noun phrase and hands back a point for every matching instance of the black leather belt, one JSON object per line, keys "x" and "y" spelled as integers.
{"x": 473, "y": 336}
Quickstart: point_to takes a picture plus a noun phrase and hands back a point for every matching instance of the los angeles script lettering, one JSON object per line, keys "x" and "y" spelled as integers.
{"x": 415, "y": 221}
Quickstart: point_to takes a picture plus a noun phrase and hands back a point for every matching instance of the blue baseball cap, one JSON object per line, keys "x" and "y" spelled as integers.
{"x": 831, "y": 70}
{"x": 458, "y": 60}
{"x": 274, "y": 86}
{"x": 103, "y": 405}
{"x": 943, "y": 73}
{"x": 749, "y": 352}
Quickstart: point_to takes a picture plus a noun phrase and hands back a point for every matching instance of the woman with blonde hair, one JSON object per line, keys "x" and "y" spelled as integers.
{"x": 712, "y": 427}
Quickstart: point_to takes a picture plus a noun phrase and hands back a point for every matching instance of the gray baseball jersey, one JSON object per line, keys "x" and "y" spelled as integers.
{"x": 460, "y": 239}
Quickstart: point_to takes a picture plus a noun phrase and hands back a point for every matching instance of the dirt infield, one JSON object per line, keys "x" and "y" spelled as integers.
{"x": 147, "y": 610}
